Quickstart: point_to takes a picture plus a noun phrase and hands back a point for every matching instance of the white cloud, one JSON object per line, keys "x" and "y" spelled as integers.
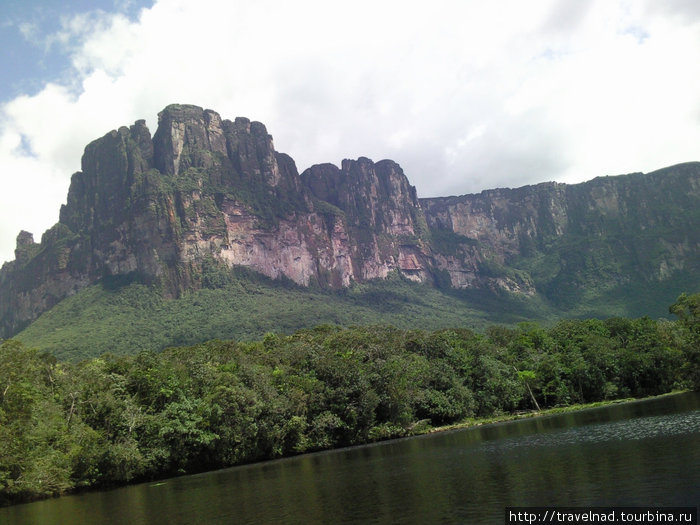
{"x": 464, "y": 95}
{"x": 28, "y": 30}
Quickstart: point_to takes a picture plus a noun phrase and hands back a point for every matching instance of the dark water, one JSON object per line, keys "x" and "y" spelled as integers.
{"x": 642, "y": 453}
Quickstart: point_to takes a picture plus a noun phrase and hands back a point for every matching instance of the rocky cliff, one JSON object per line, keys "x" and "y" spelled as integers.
{"x": 204, "y": 193}
{"x": 566, "y": 239}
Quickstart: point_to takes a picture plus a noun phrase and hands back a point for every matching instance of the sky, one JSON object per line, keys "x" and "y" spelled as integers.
{"x": 465, "y": 95}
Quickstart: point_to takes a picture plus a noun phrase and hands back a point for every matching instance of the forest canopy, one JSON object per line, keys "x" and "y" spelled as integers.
{"x": 118, "y": 419}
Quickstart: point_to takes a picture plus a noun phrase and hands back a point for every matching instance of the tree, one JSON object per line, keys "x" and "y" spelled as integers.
{"x": 687, "y": 308}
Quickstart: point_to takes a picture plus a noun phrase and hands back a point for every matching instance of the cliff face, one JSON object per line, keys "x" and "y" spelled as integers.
{"x": 205, "y": 191}
{"x": 609, "y": 231}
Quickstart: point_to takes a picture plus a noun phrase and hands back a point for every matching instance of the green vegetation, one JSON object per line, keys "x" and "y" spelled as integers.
{"x": 448, "y": 242}
{"x": 244, "y": 305}
{"x": 527, "y": 414}
{"x": 687, "y": 308}
{"x": 118, "y": 419}
{"x": 126, "y": 318}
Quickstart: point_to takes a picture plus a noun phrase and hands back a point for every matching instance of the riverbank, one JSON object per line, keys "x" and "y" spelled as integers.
{"x": 120, "y": 419}
{"x": 418, "y": 430}
{"x": 476, "y": 422}
{"x": 636, "y": 452}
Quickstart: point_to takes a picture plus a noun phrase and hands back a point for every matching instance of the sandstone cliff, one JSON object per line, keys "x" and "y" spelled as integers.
{"x": 205, "y": 192}
{"x": 600, "y": 234}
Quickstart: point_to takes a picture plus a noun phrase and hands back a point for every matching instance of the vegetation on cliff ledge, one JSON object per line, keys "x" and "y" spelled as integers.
{"x": 118, "y": 419}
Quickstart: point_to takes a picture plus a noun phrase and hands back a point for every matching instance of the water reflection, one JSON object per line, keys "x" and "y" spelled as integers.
{"x": 643, "y": 453}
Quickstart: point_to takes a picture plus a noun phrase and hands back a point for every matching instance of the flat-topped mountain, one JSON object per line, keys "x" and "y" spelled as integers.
{"x": 204, "y": 194}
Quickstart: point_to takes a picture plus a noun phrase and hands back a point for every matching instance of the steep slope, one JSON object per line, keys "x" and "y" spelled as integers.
{"x": 179, "y": 209}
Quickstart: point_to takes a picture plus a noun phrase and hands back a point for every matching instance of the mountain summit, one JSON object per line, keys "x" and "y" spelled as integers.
{"x": 205, "y": 193}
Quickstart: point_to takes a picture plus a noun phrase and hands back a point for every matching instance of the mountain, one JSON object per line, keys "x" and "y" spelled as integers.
{"x": 175, "y": 211}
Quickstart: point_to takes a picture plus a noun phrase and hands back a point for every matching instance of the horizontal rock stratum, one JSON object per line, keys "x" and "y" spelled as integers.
{"x": 204, "y": 191}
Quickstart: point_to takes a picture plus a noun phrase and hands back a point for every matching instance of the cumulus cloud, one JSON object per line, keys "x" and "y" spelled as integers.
{"x": 464, "y": 95}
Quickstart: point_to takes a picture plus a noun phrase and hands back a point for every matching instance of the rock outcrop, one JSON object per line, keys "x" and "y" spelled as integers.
{"x": 205, "y": 191}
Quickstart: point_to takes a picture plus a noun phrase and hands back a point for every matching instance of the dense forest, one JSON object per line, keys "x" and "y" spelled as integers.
{"x": 119, "y": 418}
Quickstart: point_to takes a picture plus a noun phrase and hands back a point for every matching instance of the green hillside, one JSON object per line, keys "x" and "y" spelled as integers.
{"x": 243, "y": 306}
{"x": 135, "y": 317}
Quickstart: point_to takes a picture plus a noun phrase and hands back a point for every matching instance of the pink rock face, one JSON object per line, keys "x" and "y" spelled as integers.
{"x": 305, "y": 247}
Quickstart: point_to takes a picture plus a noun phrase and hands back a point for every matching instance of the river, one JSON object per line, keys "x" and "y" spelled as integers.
{"x": 639, "y": 453}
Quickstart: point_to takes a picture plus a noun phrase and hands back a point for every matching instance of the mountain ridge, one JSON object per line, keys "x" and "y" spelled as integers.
{"x": 205, "y": 192}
